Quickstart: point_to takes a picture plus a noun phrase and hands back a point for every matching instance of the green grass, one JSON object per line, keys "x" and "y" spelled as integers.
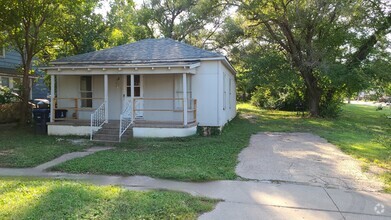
{"x": 360, "y": 131}
{"x": 193, "y": 158}
{"x": 59, "y": 199}
{"x": 22, "y": 148}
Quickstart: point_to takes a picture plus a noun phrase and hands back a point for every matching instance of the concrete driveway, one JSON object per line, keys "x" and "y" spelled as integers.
{"x": 302, "y": 158}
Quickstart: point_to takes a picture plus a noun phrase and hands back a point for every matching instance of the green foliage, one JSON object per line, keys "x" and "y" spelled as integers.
{"x": 325, "y": 42}
{"x": 7, "y": 96}
{"x": 59, "y": 199}
{"x": 180, "y": 19}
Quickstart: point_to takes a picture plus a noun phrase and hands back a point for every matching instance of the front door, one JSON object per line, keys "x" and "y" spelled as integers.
{"x": 138, "y": 93}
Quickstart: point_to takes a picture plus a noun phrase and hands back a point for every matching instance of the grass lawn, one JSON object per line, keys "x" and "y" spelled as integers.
{"x": 360, "y": 131}
{"x": 193, "y": 158}
{"x": 58, "y": 199}
{"x": 22, "y": 148}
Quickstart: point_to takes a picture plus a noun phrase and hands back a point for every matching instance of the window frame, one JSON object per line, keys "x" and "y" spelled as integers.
{"x": 86, "y": 103}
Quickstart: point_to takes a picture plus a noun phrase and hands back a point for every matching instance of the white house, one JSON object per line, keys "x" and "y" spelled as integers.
{"x": 150, "y": 88}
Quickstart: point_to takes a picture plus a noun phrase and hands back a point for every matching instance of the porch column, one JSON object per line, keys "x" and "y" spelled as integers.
{"x": 132, "y": 96}
{"x": 184, "y": 81}
{"x": 106, "y": 98}
{"x": 52, "y": 85}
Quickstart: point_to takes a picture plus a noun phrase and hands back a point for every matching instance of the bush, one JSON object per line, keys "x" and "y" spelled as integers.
{"x": 330, "y": 109}
{"x": 10, "y": 112}
{"x": 7, "y": 96}
{"x": 283, "y": 99}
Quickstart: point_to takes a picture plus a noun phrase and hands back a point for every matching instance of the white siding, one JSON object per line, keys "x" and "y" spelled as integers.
{"x": 205, "y": 90}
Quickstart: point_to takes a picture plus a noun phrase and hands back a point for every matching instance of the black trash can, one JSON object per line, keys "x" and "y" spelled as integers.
{"x": 41, "y": 117}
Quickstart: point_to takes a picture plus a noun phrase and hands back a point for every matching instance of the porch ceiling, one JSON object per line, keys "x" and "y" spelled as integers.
{"x": 124, "y": 68}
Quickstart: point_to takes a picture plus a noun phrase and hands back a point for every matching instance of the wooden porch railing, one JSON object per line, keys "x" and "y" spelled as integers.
{"x": 176, "y": 106}
{"x": 72, "y": 105}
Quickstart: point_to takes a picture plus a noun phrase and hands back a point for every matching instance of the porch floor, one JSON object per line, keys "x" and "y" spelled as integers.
{"x": 137, "y": 123}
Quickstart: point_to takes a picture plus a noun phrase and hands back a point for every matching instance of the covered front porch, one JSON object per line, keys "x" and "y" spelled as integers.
{"x": 152, "y": 99}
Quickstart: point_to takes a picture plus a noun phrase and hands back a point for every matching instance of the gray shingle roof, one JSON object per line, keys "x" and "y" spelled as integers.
{"x": 144, "y": 51}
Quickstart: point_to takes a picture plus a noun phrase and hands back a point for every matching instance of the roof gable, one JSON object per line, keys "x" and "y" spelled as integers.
{"x": 143, "y": 51}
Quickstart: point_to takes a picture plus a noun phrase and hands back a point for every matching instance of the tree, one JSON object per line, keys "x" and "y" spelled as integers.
{"x": 25, "y": 26}
{"x": 178, "y": 19}
{"x": 78, "y": 28}
{"x": 124, "y": 23}
{"x": 317, "y": 37}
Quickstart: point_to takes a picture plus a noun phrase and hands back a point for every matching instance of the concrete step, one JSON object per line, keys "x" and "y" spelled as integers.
{"x": 105, "y": 137}
{"x": 110, "y": 131}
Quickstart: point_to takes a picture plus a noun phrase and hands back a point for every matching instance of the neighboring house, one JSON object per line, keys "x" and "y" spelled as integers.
{"x": 10, "y": 62}
{"x": 141, "y": 87}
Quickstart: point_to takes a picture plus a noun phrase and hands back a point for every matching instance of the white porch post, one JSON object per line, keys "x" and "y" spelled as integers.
{"x": 184, "y": 81}
{"x": 106, "y": 98}
{"x": 52, "y": 85}
{"x": 132, "y": 96}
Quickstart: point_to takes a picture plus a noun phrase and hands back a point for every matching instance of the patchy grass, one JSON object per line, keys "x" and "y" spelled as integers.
{"x": 22, "y": 148}
{"x": 360, "y": 131}
{"x": 58, "y": 199}
{"x": 192, "y": 159}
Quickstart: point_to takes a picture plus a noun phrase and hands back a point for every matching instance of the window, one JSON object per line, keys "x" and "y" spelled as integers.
{"x": 179, "y": 91}
{"x": 5, "y": 81}
{"x": 86, "y": 91}
{"x": 137, "y": 86}
{"x": 224, "y": 92}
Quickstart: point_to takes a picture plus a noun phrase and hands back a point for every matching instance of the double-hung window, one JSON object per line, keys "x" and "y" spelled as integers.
{"x": 86, "y": 91}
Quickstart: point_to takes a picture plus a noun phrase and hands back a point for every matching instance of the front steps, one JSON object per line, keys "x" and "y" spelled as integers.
{"x": 110, "y": 133}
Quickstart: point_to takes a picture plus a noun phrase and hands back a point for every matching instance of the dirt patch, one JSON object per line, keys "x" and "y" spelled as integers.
{"x": 303, "y": 158}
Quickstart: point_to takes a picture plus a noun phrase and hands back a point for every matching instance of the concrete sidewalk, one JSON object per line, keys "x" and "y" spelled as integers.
{"x": 250, "y": 199}
{"x": 244, "y": 199}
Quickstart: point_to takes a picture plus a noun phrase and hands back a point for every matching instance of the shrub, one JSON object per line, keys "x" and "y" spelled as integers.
{"x": 10, "y": 112}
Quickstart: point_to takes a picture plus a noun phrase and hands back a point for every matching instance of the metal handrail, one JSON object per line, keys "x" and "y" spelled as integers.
{"x": 125, "y": 119}
{"x": 97, "y": 118}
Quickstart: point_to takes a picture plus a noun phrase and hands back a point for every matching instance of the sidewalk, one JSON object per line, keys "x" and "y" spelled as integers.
{"x": 245, "y": 199}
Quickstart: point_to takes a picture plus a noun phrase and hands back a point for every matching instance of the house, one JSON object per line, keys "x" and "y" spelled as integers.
{"x": 151, "y": 88}
{"x": 10, "y": 62}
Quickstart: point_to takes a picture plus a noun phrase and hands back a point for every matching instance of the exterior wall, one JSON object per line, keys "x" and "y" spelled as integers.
{"x": 70, "y": 130}
{"x": 69, "y": 87}
{"x": 11, "y": 60}
{"x": 164, "y": 132}
{"x": 207, "y": 87}
{"x": 227, "y": 105}
{"x": 8, "y": 69}
{"x": 205, "y": 90}
{"x": 160, "y": 86}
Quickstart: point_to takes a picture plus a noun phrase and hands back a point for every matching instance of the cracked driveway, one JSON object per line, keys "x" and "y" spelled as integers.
{"x": 302, "y": 158}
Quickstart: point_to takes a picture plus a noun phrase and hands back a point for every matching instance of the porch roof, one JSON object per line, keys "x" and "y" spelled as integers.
{"x": 125, "y": 68}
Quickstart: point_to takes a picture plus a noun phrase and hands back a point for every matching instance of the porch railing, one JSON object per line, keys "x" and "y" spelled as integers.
{"x": 69, "y": 108}
{"x": 97, "y": 118}
{"x": 125, "y": 119}
{"x": 165, "y": 110}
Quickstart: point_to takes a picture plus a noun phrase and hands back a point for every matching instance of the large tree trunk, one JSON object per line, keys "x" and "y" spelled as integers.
{"x": 313, "y": 91}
